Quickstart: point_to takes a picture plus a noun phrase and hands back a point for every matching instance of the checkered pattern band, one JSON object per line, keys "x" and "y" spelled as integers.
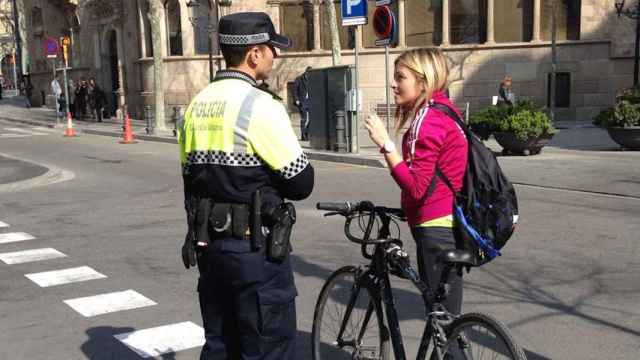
{"x": 232, "y": 74}
{"x": 295, "y": 167}
{"x": 250, "y": 39}
{"x": 223, "y": 158}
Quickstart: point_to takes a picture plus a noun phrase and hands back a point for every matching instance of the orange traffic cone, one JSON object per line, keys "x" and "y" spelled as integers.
{"x": 69, "y": 131}
{"x": 127, "y": 135}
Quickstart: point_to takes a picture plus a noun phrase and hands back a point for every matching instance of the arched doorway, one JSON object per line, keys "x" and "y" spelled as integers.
{"x": 110, "y": 73}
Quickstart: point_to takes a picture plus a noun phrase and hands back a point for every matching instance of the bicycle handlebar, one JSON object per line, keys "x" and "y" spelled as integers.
{"x": 351, "y": 209}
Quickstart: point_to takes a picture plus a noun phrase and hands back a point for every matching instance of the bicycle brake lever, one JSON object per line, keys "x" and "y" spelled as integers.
{"x": 333, "y": 213}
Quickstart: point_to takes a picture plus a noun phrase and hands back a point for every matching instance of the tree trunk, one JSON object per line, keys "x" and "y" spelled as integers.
{"x": 155, "y": 18}
{"x": 332, "y": 24}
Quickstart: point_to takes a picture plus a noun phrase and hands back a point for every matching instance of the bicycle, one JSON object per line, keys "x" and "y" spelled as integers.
{"x": 369, "y": 320}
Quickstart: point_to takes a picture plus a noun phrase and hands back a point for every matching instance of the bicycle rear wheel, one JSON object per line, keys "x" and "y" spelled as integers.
{"x": 346, "y": 303}
{"x": 476, "y": 336}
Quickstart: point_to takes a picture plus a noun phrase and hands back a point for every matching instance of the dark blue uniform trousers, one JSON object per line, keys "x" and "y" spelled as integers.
{"x": 247, "y": 303}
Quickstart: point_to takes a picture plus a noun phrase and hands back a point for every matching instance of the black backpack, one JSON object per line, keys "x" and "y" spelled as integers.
{"x": 485, "y": 210}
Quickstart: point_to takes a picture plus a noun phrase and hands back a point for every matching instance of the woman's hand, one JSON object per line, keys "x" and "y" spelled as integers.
{"x": 377, "y": 130}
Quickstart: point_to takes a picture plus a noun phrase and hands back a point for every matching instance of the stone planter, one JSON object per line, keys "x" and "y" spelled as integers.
{"x": 512, "y": 145}
{"x": 627, "y": 137}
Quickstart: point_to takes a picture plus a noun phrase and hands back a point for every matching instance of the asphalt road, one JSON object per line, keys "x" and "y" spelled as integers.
{"x": 567, "y": 286}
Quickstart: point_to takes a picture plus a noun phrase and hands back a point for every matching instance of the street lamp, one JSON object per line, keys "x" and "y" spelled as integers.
{"x": 197, "y": 21}
{"x": 632, "y": 14}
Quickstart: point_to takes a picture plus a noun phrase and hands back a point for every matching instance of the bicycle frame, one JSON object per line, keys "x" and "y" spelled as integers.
{"x": 377, "y": 277}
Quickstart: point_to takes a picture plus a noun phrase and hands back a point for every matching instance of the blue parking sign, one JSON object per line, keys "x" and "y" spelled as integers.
{"x": 354, "y": 12}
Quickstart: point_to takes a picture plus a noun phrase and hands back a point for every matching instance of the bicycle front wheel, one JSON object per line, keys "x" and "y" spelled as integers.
{"x": 476, "y": 336}
{"x": 348, "y": 321}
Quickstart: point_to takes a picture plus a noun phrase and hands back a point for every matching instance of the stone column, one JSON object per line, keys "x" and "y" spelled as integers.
{"x": 317, "y": 44}
{"x": 143, "y": 30}
{"x": 402, "y": 25}
{"x": 445, "y": 23}
{"x": 490, "y": 22}
{"x": 187, "y": 29}
{"x": 536, "y": 20}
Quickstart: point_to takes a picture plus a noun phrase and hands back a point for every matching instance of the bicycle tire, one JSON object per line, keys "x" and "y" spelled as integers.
{"x": 372, "y": 345}
{"x": 480, "y": 335}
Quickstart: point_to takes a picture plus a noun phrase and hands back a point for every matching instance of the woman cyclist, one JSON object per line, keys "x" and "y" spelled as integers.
{"x": 431, "y": 141}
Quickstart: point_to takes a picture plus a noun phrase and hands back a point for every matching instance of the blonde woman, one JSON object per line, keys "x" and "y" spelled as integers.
{"x": 432, "y": 141}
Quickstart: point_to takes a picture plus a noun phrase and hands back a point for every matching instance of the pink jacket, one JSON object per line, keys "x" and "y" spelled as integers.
{"x": 432, "y": 139}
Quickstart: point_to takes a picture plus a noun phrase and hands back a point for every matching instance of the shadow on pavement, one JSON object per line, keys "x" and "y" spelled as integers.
{"x": 101, "y": 345}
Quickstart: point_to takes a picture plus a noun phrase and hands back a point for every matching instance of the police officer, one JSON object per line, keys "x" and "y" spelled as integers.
{"x": 241, "y": 160}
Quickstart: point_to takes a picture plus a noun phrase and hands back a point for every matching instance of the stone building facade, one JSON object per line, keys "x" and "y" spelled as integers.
{"x": 485, "y": 40}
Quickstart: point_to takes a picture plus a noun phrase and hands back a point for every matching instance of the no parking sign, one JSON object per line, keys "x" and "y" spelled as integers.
{"x": 51, "y": 47}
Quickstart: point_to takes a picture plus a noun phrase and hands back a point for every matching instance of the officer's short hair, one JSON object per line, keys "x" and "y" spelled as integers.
{"x": 234, "y": 55}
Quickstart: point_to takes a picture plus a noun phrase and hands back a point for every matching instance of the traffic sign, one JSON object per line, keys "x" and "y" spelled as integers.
{"x": 384, "y": 25}
{"x": 51, "y": 47}
{"x": 354, "y": 12}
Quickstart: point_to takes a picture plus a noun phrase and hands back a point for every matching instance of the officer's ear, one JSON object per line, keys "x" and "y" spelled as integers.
{"x": 253, "y": 56}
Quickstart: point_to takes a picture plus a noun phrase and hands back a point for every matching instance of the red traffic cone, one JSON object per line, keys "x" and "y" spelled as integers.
{"x": 69, "y": 131}
{"x": 127, "y": 135}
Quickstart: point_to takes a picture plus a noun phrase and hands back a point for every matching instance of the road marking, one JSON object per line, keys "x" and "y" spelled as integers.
{"x": 14, "y": 135}
{"x": 25, "y": 131}
{"x": 2, "y": 224}
{"x": 163, "y": 339}
{"x": 14, "y": 237}
{"x": 66, "y": 276}
{"x": 107, "y": 303}
{"x": 20, "y": 257}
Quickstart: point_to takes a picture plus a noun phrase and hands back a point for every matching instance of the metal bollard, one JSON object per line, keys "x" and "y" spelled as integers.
{"x": 340, "y": 131}
{"x": 148, "y": 116}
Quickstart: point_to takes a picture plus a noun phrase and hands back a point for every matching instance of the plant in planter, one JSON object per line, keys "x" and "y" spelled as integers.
{"x": 523, "y": 128}
{"x": 622, "y": 121}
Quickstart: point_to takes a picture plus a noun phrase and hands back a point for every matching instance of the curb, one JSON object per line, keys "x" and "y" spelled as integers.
{"x": 311, "y": 154}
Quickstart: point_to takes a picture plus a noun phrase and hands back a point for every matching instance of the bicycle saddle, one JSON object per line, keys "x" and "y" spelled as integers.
{"x": 455, "y": 256}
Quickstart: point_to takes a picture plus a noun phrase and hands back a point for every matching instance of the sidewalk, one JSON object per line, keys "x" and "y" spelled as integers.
{"x": 577, "y": 135}
{"x": 12, "y": 109}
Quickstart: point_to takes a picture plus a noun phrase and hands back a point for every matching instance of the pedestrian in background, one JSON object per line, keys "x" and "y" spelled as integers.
{"x": 302, "y": 101}
{"x": 1, "y": 86}
{"x": 56, "y": 90}
{"x": 72, "y": 98}
{"x": 240, "y": 160}
{"x": 27, "y": 90}
{"x": 96, "y": 96}
{"x": 433, "y": 147}
{"x": 505, "y": 93}
{"x": 81, "y": 99}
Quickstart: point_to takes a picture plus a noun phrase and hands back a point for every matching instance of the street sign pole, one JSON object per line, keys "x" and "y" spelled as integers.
{"x": 386, "y": 84}
{"x": 354, "y": 14}
{"x": 65, "y": 55}
{"x": 355, "y": 145}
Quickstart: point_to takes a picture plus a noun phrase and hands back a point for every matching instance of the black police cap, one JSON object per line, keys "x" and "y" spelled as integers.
{"x": 250, "y": 28}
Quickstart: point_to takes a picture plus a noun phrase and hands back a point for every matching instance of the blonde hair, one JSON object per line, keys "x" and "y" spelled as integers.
{"x": 429, "y": 65}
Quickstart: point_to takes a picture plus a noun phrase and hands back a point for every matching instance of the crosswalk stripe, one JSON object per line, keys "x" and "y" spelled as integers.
{"x": 25, "y": 131}
{"x": 3, "y": 224}
{"x": 163, "y": 339}
{"x": 14, "y": 236}
{"x": 20, "y": 257}
{"x": 107, "y": 303}
{"x": 65, "y": 276}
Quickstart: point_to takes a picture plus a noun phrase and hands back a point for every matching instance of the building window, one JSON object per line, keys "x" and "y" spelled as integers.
{"x": 201, "y": 36}
{"x": 468, "y": 21}
{"x": 423, "y": 22}
{"x": 347, "y": 34}
{"x": 174, "y": 27}
{"x": 297, "y": 19}
{"x": 37, "y": 21}
{"x": 513, "y": 21}
{"x": 567, "y": 19}
{"x": 563, "y": 90}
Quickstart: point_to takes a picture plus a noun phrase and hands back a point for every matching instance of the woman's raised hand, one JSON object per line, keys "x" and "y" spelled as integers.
{"x": 377, "y": 129}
